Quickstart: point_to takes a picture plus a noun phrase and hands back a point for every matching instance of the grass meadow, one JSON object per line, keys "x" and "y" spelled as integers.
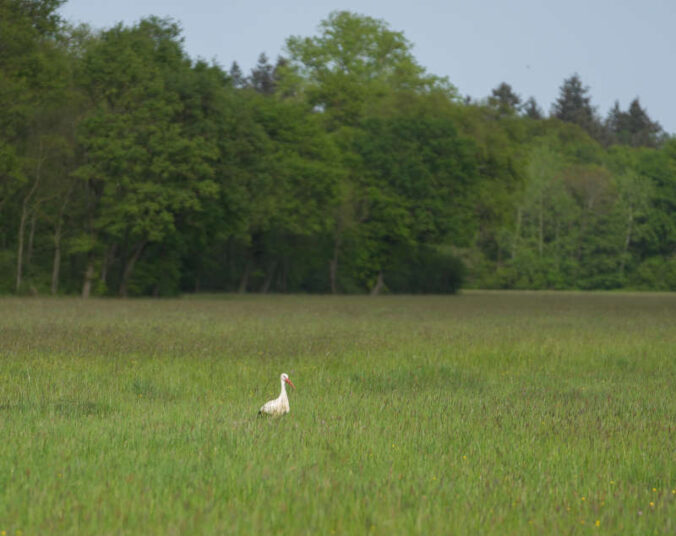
{"x": 484, "y": 413}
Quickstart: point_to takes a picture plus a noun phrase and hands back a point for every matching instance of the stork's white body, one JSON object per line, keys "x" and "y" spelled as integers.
{"x": 280, "y": 405}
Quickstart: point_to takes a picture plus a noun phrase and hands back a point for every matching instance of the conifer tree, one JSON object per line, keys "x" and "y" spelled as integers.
{"x": 504, "y": 100}
{"x": 531, "y": 109}
{"x": 574, "y": 106}
{"x": 262, "y": 77}
{"x": 633, "y": 127}
{"x": 236, "y": 76}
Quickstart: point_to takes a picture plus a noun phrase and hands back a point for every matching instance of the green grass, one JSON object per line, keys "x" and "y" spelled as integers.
{"x": 485, "y": 413}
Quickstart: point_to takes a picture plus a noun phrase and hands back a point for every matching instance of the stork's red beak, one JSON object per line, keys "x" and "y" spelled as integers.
{"x": 287, "y": 380}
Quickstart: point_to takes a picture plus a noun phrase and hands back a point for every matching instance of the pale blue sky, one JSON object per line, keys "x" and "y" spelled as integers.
{"x": 620, "y": 48}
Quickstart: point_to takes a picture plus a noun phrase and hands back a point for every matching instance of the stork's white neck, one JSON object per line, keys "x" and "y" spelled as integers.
{"x": 283, "y": 393}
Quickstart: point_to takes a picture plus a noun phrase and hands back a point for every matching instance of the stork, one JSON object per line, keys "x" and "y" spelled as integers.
{"x": 280, "y": 405}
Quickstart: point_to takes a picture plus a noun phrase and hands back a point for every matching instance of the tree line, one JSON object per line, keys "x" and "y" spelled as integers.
{"x": 128, "y": 168}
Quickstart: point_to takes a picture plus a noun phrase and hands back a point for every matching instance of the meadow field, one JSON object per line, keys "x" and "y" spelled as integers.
{"x": 483, "y": 413}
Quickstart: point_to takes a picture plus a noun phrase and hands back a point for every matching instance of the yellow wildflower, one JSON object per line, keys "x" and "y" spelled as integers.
{"x": 598, "y": 523}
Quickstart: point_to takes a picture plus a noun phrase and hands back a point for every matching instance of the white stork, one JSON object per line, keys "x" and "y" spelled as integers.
{"x": 280, "y": 405}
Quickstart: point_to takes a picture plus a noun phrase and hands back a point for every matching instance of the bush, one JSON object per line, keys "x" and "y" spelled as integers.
{"x": 425, "y": 270}
{"x": 655, "y": 273}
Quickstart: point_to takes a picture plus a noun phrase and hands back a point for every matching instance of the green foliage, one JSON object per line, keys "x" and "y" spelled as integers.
{"x": 574, "y": 106}
{"x": 355, "y": 61}
{"x": 506, "y": 102}
{"x": 655, "y": 273}
{"x": 139, "y": 155}
{"x": 128, "y": 168}
{"x": 633, "y": 127}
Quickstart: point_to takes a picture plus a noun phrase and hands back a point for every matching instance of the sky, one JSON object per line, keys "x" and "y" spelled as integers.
{"x": 621, "y": 49}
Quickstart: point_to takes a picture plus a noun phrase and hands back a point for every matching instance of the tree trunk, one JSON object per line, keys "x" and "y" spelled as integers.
{"x": 333, "y": 270}
{"x": 557, "y": 249}
{"x": 89, "y": 276}
{"x": 56, "y": 263}
{"x": 110, "y": 254}
{"x": 19, "y": 254}
{"x": 517, "y": 232}
{"x": 24, "y": 216}
{"x": 627, "y": 241}
{"x": 541, "y": 230}
{"x": 129, "y": 268}
{"x": 333, "y": 263}
{"x": 378, "y": 287}
{"x": 244, "y": 281}
{"x": 268, "y": 277}
{"x": 31, "y": 238}
{"x": 283, "y": 275}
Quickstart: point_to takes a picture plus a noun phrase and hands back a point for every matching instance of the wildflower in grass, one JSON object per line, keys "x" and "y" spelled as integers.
{"x": 673, "y": 491}
{"x": 584, "y": 498}
{"x": 598, "y": 523}
{"x": 3, "y": 533}
{"x": 652, "y": 504}
{"x": 464, "y": 457}
{"x": 654, "y": 490}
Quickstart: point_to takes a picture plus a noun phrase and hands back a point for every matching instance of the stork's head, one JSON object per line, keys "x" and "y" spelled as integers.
{"x": 285, "y": 379}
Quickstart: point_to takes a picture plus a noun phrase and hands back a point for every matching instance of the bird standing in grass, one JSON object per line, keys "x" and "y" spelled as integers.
{"x": 280, "y": 405}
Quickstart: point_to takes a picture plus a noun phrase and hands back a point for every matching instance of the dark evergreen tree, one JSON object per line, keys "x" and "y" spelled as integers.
{"x": 531, "y": 109}
{"x": 262, "y": 77}
{"x": 633, "y": 127}
{"x": 279, "y": 70}
{"x": 615, "y": 120}
{"x": 574, "y": 106}
{"x": 236, "y": 76}
{"x": 504, "y": 100}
